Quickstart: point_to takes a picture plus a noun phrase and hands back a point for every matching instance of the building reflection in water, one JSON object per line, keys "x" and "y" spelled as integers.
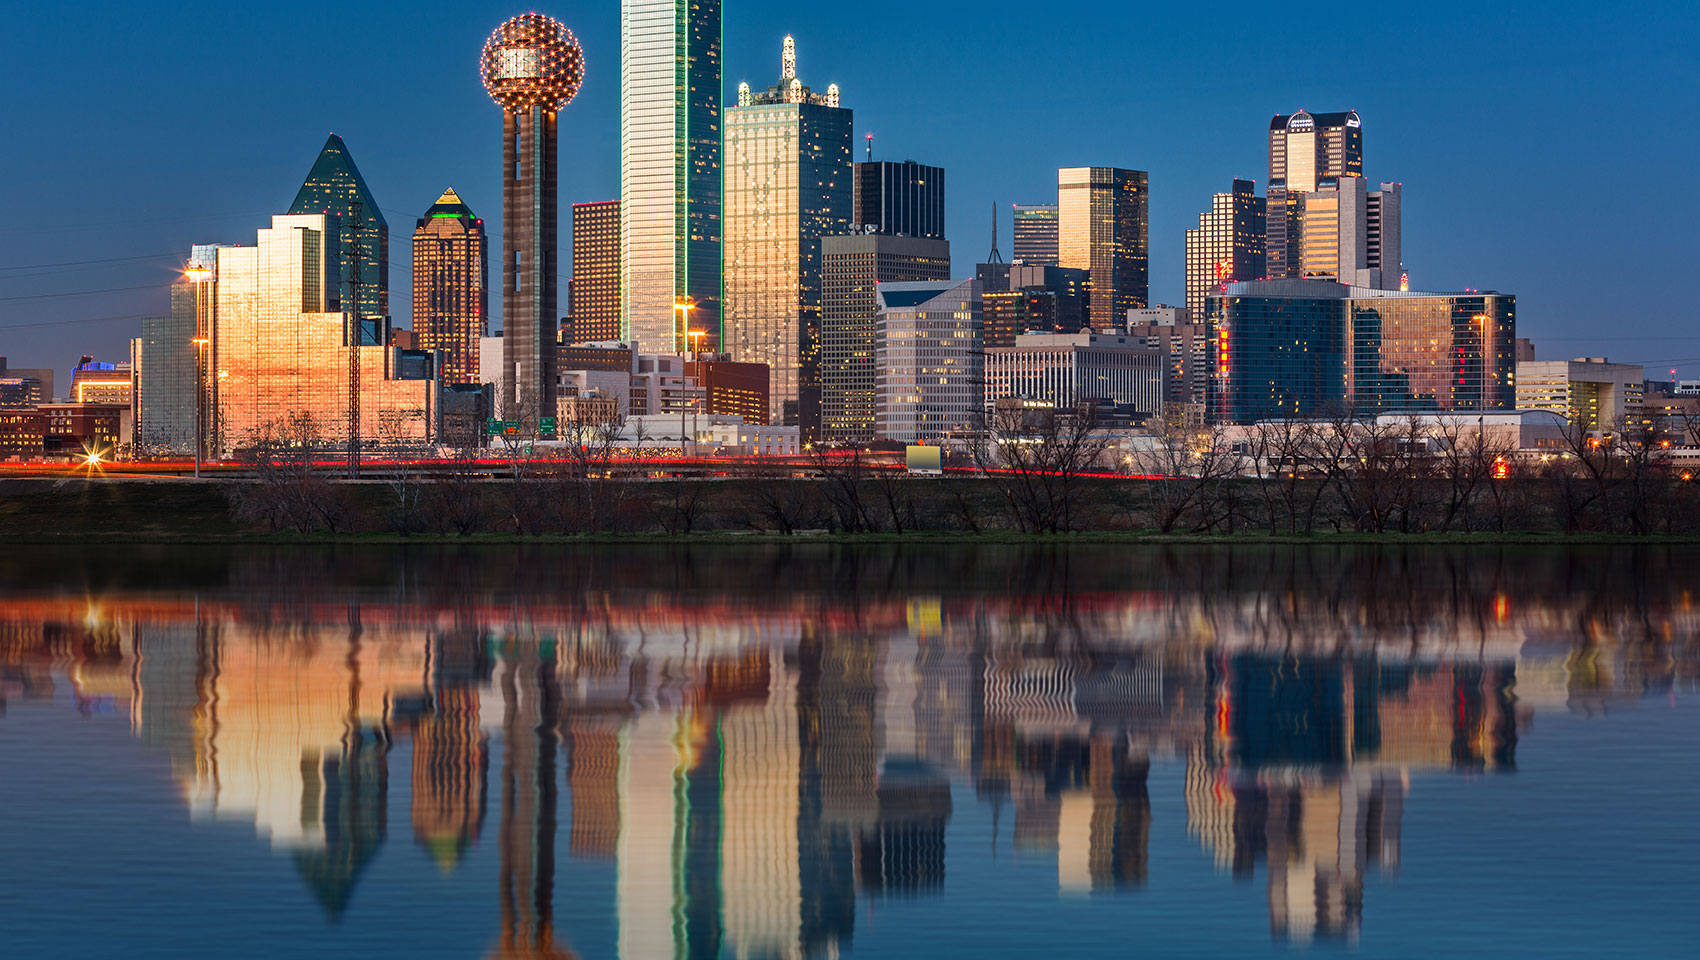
{"x": 756, "y": 770}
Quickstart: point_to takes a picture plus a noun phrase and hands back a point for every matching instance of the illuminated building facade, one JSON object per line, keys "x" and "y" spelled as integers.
{"x": 594, "y": 307}
{"x": 278, "y": 358}
{"x": 899, "y": 199}
{"x": 788, "y": 173}
{"x": 1304, "y": 150}
{"x": 928, "y": 359}
{"x": 1103, "y": 228}
{"x": 851, "y": 267}
{"x": 1227, "y": 246}
{"x": 163, "y": 358}
{"x": 335, "y": 188}
{"x": 1304, "y": 348}
{"x": 1065, "y": 369}
{"x": 451, "y": 286}
{"x": 670, "y": 176}
{"x": 730, "y": 388}
{"x": 1035, "y": 229}
{"x": 1591, "y": 393}
{"x": 532, "y": 68}
{"x": 94, "y": 381}
{"x": 1019, "y": 297}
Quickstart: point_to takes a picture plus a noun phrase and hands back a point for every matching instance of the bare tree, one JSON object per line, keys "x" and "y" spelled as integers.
{"x": 1036, "y": 458}
{"x": 1187, "y": 473}
{"x": 401, "y": 443}
{"x": 844, "y": 475}
{"x": 453, "y": 499}
{"x": 287, "y": 492}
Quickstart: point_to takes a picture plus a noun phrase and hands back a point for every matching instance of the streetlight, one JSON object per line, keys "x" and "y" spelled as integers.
{"x": 1484, "y": 320}
{"x": 695, "y": 337}
{"x": 200, "y": 275}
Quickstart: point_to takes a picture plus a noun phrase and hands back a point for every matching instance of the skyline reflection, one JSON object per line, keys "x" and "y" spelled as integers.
{"x": 760, "y": 766}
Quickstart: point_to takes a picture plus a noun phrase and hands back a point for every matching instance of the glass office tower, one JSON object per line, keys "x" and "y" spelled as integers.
{"x": 1103, "y": 228}
{"x": 594, "y": 307}
{"x": 670, "y": 141}
{"x": 788, "y": 173}
{"x": 335, "y": 188}
{"x": 451, "y": 288}
{"x": 1035, "y": 227}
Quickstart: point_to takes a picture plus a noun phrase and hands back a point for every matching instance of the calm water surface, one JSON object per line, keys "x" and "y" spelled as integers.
{"x": 760, "y": 752}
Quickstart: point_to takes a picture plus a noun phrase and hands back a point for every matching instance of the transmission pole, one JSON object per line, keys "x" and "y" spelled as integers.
{"x": 351, "y": 310}
{"x": 995, "y": 256}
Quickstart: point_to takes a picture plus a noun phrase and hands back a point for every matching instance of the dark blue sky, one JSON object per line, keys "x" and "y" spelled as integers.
{"x": 1547, "y": 149}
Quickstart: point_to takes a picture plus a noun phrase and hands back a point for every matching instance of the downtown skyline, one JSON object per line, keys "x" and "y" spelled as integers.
{"x": 211, "y": 174}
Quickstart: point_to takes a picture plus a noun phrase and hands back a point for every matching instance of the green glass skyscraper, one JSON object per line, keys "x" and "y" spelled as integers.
{"x": 670, "y": 78}
{"x": 334, "y": 187}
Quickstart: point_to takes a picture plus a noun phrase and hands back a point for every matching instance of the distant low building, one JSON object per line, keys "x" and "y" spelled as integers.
{"x": 1066, "y": 369}
{"x": 76, "y": 428}
{"x": 1594, "y": 394}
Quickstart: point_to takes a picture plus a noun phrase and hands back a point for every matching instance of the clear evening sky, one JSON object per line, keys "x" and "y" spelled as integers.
{"x": 1547, "y": 149}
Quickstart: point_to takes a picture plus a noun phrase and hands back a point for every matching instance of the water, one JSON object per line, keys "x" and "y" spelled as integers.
{"x": 782, "y": 752}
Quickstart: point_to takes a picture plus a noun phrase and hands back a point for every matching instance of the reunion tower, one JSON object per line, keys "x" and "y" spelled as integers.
{"x": 532, "y": 67}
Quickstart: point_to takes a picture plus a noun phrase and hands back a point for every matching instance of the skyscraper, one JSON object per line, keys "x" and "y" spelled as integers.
{"x": 278, "y": 343}
{"x": 532, "y": 67}
{"x": 1102, "y": 227}
{"x": 788, "y": 173}
{"x": 851, "y": 267}
{"x": 929, "y": 362}
{"x": 899, "y": 199}
{"x": 595, "y": 303}
{"x": 670, "y": 142}
{"x": 1305, "y": 148}
{"x": 335, "y": 188}
{"x": 1384, "y": 246}
{"x": 1228, "y": 244}
{"x": 1035, "y": 229}
{"x": 451, "y": 286}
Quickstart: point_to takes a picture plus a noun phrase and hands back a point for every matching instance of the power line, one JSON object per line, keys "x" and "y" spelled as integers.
{"x": 82, "y": 293}
{"x": 55, "y": 323}
{"x": 80, "y": 263}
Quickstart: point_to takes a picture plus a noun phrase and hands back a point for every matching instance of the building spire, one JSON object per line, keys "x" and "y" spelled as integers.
{"x": 788, "y": 60}
{"x": 995, "y": 256}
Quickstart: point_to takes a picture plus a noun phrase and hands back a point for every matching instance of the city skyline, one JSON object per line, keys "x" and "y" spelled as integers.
{"x": 231, "y": 188}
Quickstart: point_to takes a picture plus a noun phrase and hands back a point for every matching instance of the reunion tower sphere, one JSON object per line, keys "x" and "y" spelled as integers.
{"x": 532, "y": 60}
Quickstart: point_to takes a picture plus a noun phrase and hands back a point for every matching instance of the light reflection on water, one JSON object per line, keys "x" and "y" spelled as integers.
{"x": 761, "y": 746}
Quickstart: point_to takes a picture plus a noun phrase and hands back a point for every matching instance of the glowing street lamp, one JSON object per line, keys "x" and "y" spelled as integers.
{"x": 200, "y": 275}
{"x": 684, "y": 310}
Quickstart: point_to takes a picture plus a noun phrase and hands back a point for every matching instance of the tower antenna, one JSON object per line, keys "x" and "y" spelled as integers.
{"x": 870, "y": 139}
{"x": 995, "y": 256}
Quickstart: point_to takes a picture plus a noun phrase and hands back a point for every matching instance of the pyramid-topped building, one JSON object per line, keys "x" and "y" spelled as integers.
{"x": 334, "y": 187}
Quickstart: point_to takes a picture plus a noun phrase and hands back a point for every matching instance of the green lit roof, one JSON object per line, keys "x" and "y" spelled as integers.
{"x": 450, "y": 205}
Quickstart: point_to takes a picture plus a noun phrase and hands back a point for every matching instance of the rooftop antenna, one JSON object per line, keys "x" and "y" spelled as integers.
{"x": 995, "y": 256}
{"x": 870, "y": 139}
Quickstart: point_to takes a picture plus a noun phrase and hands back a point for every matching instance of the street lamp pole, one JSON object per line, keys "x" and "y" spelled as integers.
{"x": 200, "y": 276}
{"x": 695, "y": 337}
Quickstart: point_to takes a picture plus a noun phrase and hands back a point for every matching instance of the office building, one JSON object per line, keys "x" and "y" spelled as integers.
{"x": 335, "y": 188}
{"x": 1227, "y": 246}
{"x": 670, "y": 172}
{"x": 1102, "y": 227}
{"x": 1186, "y": 350}
{"x": 279, "y": 344}
{"x": 1591, "y": 393}
{"x": 1348, "y": 233}
{"x": 899, "y": 199}
{"x": 25, "y": 385}
{"x": 1306, "y": 348}
{"x": 788, "y": 172}
{"x": 79, "y": 429}
{"x": 1067, "y": 369}
{"x": 451, "y": 286}
{"x": 532, "y": 68}
{"x": 593, "y": 307}
{"x": 1304, "y": 150}
{"x": 930, "y": 379}
{"x": 851, "y": 268}
{"x": 94, "y": 381}
{"x": 1019, "y": 297}
{"x": 730, "y": 388}
{"x": 1035, "y": 229}
{"x": 1384, "y": 235}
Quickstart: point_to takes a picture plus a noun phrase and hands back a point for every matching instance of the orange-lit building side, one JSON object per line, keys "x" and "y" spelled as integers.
{"x": 595, "y": 306}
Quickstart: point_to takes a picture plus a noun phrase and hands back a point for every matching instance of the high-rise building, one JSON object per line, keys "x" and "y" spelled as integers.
{"x": 1035, "y": 228}
{"x": 851, "y": 269}
{"x": 1304, "y": 149}
{"x": 1017, "y": 298}
{"x": 1383, "y": 233}
{"x": 1227, "y": 246}
{"x": 788, "y": 172}
{"x": 164, "y": 359}
{"x": 670, "y": 176}
{"x": 594, "y": 307}
{"x": 928, "y": 358}
{"x": 1102, "y": 227}
{"x": 451, "y": 286}
{"x": 335, "y": 188}
{"x": 279, "y": 344}
{"x": 899, "y": 199}
{"x": 1303, "y": 348}
{"x": 532, "y": 68}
